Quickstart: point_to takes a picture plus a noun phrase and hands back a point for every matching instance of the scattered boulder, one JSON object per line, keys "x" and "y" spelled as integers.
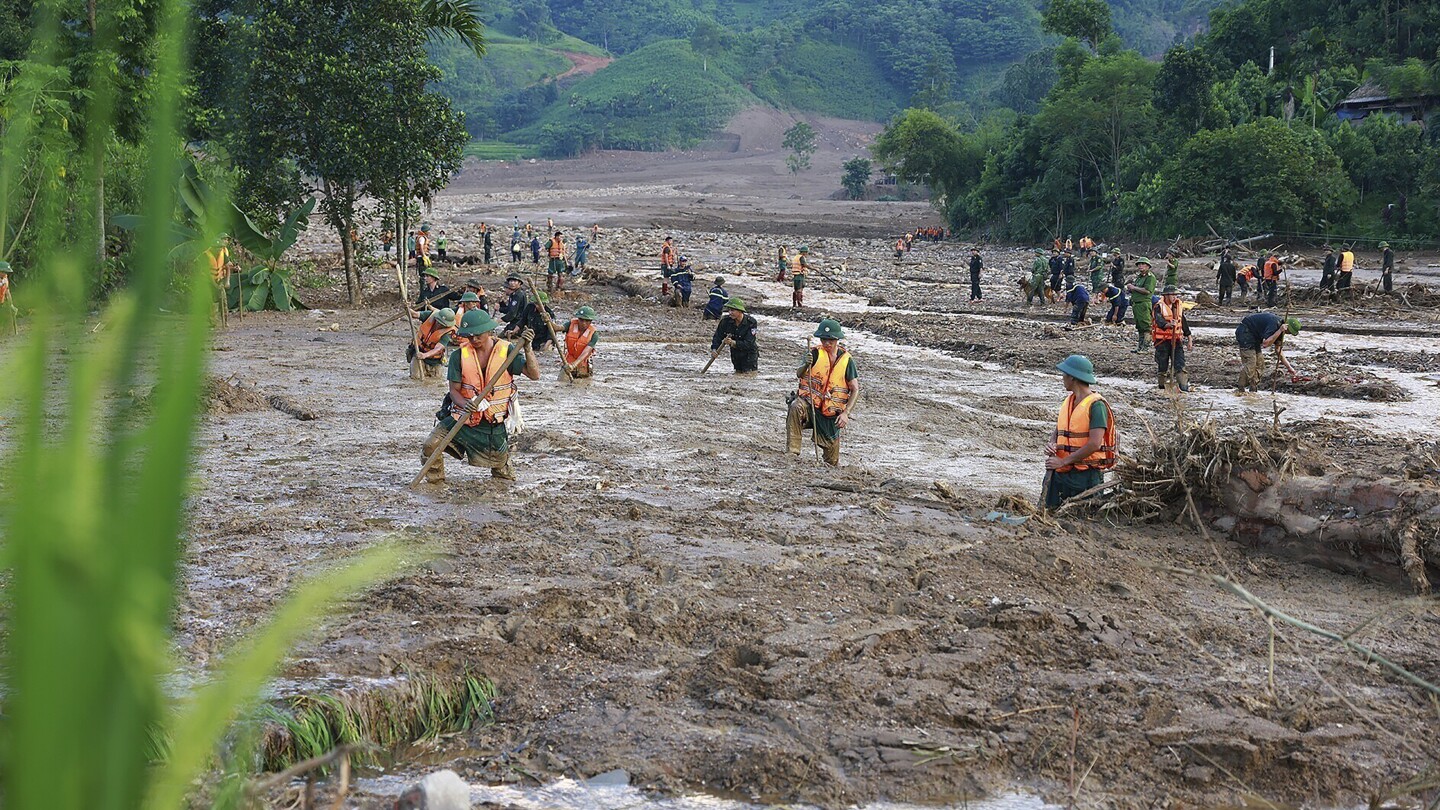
{"x": 441, "y": 790}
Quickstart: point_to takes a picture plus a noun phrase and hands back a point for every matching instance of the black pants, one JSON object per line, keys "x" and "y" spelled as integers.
{"x": 1327, "y": 279}
{"x": 1225, "y": 291}
{"x": 1168, "y": 352}
{"x": 1244, "y": 287}
{"x": 1055, "y": 282}
{"x": 1077, "y": 315}
{"x": 487, "y": 252}
{"x": 974, "y": 285}
{"x": 1386, "y": 281}
{"x": 746, "y": 361}
{"x": 1272, "y": 288}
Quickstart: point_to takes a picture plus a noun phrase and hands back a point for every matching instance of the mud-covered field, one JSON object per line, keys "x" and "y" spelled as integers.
{"x": 663, "y": 590}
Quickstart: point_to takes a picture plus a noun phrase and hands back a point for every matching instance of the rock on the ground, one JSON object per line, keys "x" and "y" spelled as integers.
{"x": 441, "y": 790}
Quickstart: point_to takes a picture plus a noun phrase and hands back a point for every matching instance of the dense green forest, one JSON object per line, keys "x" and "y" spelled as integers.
{"x": 847, "y": 58}
{"x": 1207, "y": 137}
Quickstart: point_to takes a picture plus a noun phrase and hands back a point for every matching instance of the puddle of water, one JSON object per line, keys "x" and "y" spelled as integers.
{"x": 569, "y": 794}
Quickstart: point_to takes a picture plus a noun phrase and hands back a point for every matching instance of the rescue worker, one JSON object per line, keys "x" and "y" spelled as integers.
{"x": 684, "y": 280}
{"x": 485, "y": 241}
{"x": 555, "y": 270}
{"x": 422, "y": 249}
{"x": 1079, "y": 300}
{"x": 1038, "y": 270}
{"x": 1327, "y": 271}
{"x": 976, "y": 265}
{"x": 1387, "y": 267}
{"x": 1270, "y": 278}
{"x": 387, "y": 241}
{"x": 1140, "y": 291}
{"x": 220, "y": 269}
{"x": 900, "y": 248}
{"x": 535, "y": 319}
{"x": 516, "y": 301}
{"x": 582, "y": 255}
{"x": 738, "y": 331}
{"x": 441, "y": 242}
{"x": 432, "y": 340}
{"x": 580, "y": 340}
{"x": 1057, "y": 268}
{"x": 1259, "y": 331}
{"x": 433, "y": 294}
{"x": 1068, "y": 268}
{"x": 667, "y": 264}
{"x": 469, "y": 302}
{"x": 1097, "y": 271}
{"x": 1225, "y": 276}
{"x": 1119, "y": 302}
{"x": 798, "y": 268}
{"x": 827, "y": 393}
{"x": 1345, "y": 273}
{"x": 535, "y": 249}
{"x": 1083, "y": 444}
{"x": 516, "y": 247}
{"x": 1243, "y": 279}
{"x": 5, "y": 296}
{"x": 1069, "y": 244}
{"x": 1117, "y": 271}
{"x": 1171, "y": 331}
{"x": 1172, "y": 269}
{"x": 480, "y": 358}
{"x": 715, "y": 305}
{"x": 782, "y": 260}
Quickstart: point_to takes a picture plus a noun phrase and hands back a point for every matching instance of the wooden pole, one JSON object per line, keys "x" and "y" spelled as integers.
{"x": 554, "y": 335}
{"x": 460, "y": 420}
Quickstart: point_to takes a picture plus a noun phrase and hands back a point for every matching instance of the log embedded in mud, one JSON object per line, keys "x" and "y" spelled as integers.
{"x": 284, "y": 404}
{"x": 1385, "y": 528}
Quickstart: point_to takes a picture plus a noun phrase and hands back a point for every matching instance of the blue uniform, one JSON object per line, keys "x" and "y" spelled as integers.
{"x": 716, "y": 305}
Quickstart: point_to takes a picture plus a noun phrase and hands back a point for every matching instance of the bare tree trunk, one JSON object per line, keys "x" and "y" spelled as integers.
{"x": 352, "y": 274}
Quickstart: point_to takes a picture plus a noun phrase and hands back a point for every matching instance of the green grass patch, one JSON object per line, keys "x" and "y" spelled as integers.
{"x": 830, "y": 79}
{"x": 500, "y": 150}
{"x": 381, "y": 721}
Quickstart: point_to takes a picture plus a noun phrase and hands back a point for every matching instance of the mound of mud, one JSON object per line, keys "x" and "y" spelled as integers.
{"x": 224, "y": 396}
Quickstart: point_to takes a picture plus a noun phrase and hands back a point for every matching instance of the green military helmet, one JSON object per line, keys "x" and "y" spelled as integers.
{"x": 1079, "y": 367}
{"x": 4, "y": 267}
{"x": 476, "y": 322}
{"x": 1138, "y": 262}
{"x": 425, "y": 228}
{"x": 829, "y": 329}
{"x": 469, "y": 298}
{"x": 445, "y": 317}
{"x": 735, "y": 303}
{"x": 1170, "y": 289}
{"x": 1384, "y": 245}
{"x": 431, "y": 273}
{"x": 542, "y": 296}
{"x": 803, "y": 249}
{"x": 585, "y": 313}
{"x": 1292, "y": 325}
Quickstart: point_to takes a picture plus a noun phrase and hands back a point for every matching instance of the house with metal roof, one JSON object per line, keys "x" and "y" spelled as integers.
{"x": 1370, "y": 98}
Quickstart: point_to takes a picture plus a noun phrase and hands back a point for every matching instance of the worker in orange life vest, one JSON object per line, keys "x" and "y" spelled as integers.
{"x": 827, "y": 393}
{"x": 480, "y": 357}
{"x": 667, "y": 264}
{"x": 580, "y": 340}
{"x": 1170, "y": 331}
{"x": 432, "y": 339}
{"x": 1083, "y": 445}
{"x": 5, "y": 292}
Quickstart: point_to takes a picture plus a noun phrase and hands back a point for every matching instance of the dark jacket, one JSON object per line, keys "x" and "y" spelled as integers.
{"x": 744, "y": 334}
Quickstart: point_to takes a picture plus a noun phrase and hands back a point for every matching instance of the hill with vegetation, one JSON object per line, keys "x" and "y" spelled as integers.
{"x": 846, "y": 58}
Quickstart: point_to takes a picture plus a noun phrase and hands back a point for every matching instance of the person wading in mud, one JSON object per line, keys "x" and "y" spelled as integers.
{"x": 737, "y": 330}
{"x": 555, "y": 270}
{"x": 481, "y": 357}
{"x": 782, "y": 262}
{"x": 580, "y": 340}
{"x": 1171, "y": 331}
{"x": 1387, "y": 267}
{"x": 798, "y": 268}
{"x": 1259, "y": 331}
{"x": 715, "y": 306}
{"x": 1142, "y": 288}
{"x": 1082, "y": 447}
{"x": 1327, "y": 271}
{"x": 683, "y": 281}
{"x": 667, "y": 265}
{"x": 432, "y": 339}
{"x": 827, "y": 393}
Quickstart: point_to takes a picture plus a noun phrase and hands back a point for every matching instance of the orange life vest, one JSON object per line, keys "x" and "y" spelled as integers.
{"x": 797, "y": 265}
{"x": 430, "y": 334}
{"x": 1069, "y": 245}
{"x": 899, "y": 244}
{"x": 1272, "y": 269}
{"x": 1347, "y": 262}
{"x": 824, "y": 383}
{"x": 1172, "y": 316}
{"x": 472, "y": 383}
{"x": 577, "y": 337}
{"x": 1247, "y": 272}
{"x": 4, "y": 289}
{"x": 557, "y": 248}
{"x": 667, "y": 255}
{"x": 1072, "y": 432}
{"x": 422, "y": 244}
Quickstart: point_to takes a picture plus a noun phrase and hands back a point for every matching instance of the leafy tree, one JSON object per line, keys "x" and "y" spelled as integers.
{"x": 856, "y": 177}
{"x": 1085, "y": 20}
{"x": 921, "y": 147}
{"x": 800, "y": 141}
{"x": 1183, "y": 87}
{"x": 1261, "y": 175}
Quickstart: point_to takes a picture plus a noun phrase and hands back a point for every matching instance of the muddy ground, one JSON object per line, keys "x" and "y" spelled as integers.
{"x": 663, "y": 590}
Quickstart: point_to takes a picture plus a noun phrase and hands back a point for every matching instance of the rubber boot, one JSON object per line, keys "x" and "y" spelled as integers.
{"x": 1183, "y": 380}
{"x": 1164, "y": 380}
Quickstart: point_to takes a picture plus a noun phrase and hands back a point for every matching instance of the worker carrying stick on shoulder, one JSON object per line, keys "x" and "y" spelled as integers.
{"x": 1082, "y": 447}
{"x": 738, "y": 331}
{"x": 827, "y": 393}
{"x": 1257, "y": 332}
{"x": 480, "y": 358}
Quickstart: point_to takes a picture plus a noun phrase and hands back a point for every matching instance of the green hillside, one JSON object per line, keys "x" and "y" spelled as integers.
{"x": 682, "y": 64}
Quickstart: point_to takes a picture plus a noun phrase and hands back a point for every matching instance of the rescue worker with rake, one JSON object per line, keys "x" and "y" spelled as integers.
{"x": 827, "y": 393}
{"x": 580, "y": 340}
{"x": 471, "y": 421}
{"x": 432, "y": 339}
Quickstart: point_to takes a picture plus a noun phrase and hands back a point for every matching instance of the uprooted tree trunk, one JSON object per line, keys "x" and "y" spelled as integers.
{"x": 1383, "y": 528}
{"x": 1270, "y": 492}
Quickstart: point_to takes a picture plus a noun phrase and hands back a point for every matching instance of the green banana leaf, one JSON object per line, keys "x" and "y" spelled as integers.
{"x": 258, "y": 296}
{"x": 280, "y": 292}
